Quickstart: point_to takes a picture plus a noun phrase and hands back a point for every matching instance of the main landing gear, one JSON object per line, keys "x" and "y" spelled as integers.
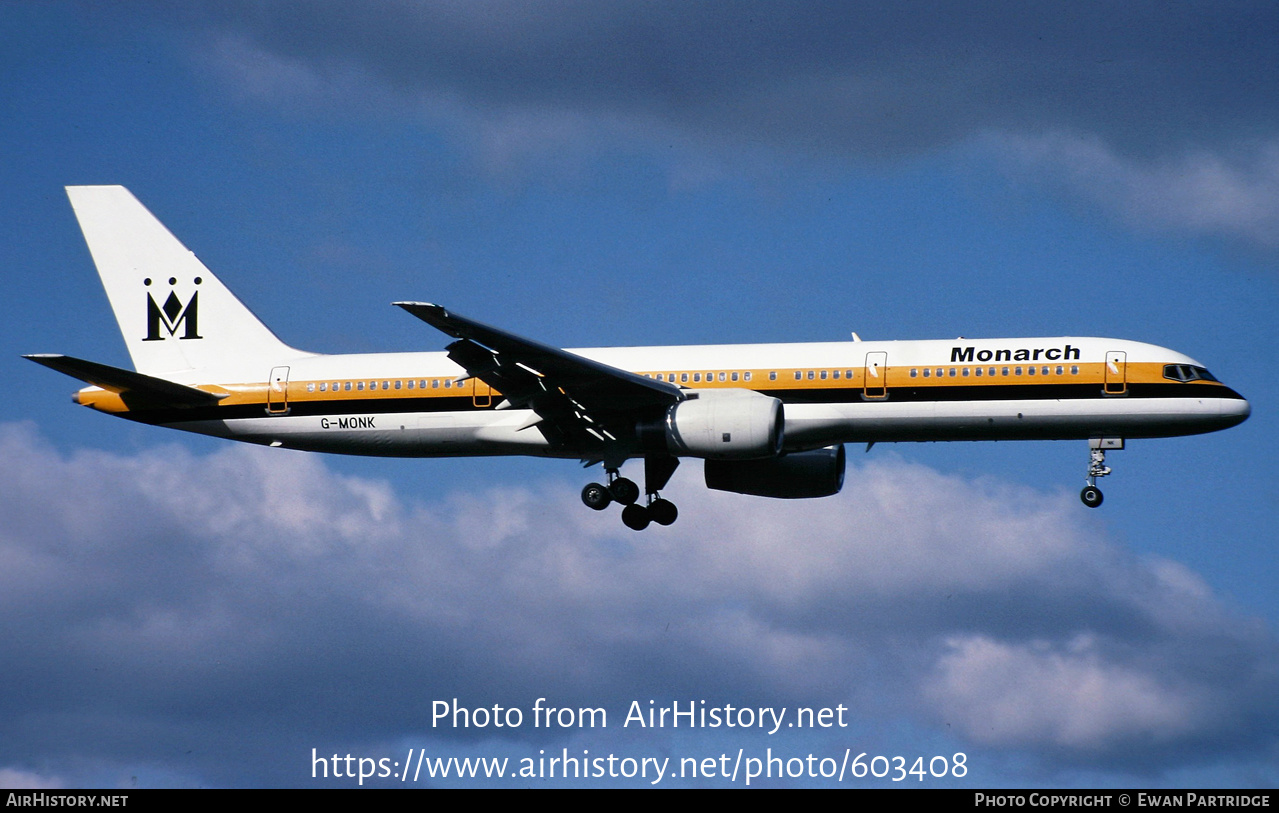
{"x": 657, "y": 472}
{"x": 1091, "y": 495}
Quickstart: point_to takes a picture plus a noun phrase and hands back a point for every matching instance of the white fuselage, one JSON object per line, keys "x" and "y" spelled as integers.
{"x": 411, "y": 404}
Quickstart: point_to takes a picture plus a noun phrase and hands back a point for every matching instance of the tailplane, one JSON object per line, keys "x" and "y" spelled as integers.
{"x": 175, "y": 315}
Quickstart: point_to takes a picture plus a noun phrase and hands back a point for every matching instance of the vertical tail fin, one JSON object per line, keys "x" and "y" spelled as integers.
{"x": 174, "y": 313}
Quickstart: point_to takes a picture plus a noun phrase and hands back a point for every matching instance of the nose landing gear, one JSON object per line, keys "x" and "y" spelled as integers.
{"x": 1091, "y": 495}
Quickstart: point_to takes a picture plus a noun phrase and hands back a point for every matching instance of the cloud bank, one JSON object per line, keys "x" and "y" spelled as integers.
{"x": 210, "y": 619}
{"x": 1162, "y": 115}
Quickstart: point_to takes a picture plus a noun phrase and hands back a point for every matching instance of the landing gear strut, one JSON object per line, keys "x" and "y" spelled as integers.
{"x": 657, "y": 473}
{"x": 1091, "y": 495}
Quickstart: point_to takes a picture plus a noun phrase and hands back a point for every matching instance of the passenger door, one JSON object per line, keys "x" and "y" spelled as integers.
{"x": 277, "y": 392}
{"x": 1116, "y": 372}
{"x": 875, "y": 382}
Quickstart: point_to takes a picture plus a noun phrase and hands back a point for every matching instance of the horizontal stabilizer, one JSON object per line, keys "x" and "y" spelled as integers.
{"x": 134, "y": 386}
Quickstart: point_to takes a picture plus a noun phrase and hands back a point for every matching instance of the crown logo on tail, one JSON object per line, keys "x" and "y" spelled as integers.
{"x": 172, "y": 315}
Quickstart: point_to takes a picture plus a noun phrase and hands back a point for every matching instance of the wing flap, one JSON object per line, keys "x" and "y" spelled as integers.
{"x": 565, "y": 368}
{"x": 578, "y": 401}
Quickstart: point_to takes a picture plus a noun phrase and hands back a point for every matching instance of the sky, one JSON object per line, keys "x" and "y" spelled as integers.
{"x": 180, "y": 611}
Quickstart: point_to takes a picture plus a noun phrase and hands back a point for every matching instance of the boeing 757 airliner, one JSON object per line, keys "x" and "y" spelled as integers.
{"x": 767, "y": 419}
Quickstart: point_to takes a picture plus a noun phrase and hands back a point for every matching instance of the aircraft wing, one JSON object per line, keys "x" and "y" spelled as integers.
{"x": 574, "y": 397}
{"x": 135, "y": 388}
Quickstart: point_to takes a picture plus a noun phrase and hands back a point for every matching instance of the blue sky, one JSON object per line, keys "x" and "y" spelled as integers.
{"x": 180, "y": 611}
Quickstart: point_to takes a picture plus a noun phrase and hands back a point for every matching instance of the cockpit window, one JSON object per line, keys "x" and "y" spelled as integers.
{"x": 1187, "y": 372}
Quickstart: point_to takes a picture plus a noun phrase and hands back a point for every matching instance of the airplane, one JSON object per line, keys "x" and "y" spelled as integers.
{"x": 767, "y": 419}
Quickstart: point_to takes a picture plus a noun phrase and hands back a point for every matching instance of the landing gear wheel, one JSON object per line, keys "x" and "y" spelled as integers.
{"x": 1091, "y": 495}
{"x": 663, "y": 512}
{"x": 596, "y": 496}
{"x": 624, "y": 491}
{"x": 635, "y": 517}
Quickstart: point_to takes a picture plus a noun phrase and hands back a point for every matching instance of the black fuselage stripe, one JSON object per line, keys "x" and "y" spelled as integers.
{"x": 1004, "y": 392}
{"x": 435, "y": 404}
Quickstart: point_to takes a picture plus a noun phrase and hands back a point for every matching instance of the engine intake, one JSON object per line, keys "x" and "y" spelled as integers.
{"x": 741, "y": 425}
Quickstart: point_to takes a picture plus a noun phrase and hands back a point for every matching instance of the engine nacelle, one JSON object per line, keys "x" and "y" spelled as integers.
{"x": 819, "y": 473}
{"x": 741, "y": 425}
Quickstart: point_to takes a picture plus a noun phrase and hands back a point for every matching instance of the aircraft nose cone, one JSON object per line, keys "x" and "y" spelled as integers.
{"x": 1235, "y": 410}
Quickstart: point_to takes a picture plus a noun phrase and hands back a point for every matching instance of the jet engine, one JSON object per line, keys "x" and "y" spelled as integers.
{"x": 741, "y": 425}
{"x": 817, "y": 473}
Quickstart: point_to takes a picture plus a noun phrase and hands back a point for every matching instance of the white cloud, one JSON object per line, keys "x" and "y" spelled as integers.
{"x": 255, "y": 595}
{"x": 13, "y": 779}
{"x": 1174, "y": 148}
{"x": 1210, "y": 192}
{"x": 1070, "y": 696}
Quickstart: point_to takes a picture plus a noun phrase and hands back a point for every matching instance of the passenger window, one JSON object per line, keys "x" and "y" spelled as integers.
{"x": 835, "y": 375}
{"x": 952, "y": 372}
{"x": 435, "y": 383}
{"x": 360, "y": 386}
{"x": 1074, "y": 369}
{"x": 734, "y": 376}
{"x": 913, "y": 372}
{"x": 721, "y": 376}
{"x": 310, "y": 387}
{"x": 965, "y": 372}
{"x": 772, "y": 375}
{"x": 823, "y": 375}
{"x": 1059, "y": 369}
{"x": 1004, "y": 371}
{"x": 798, "y": 375}
{"x": 1030, "y": 370}
{"x": 747, "y": 375}
{"x": 927, "y": 372}
{"x": 682, "y": 377}
{"x": 448, "y": 383}
{"x": 977, "y": 372}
